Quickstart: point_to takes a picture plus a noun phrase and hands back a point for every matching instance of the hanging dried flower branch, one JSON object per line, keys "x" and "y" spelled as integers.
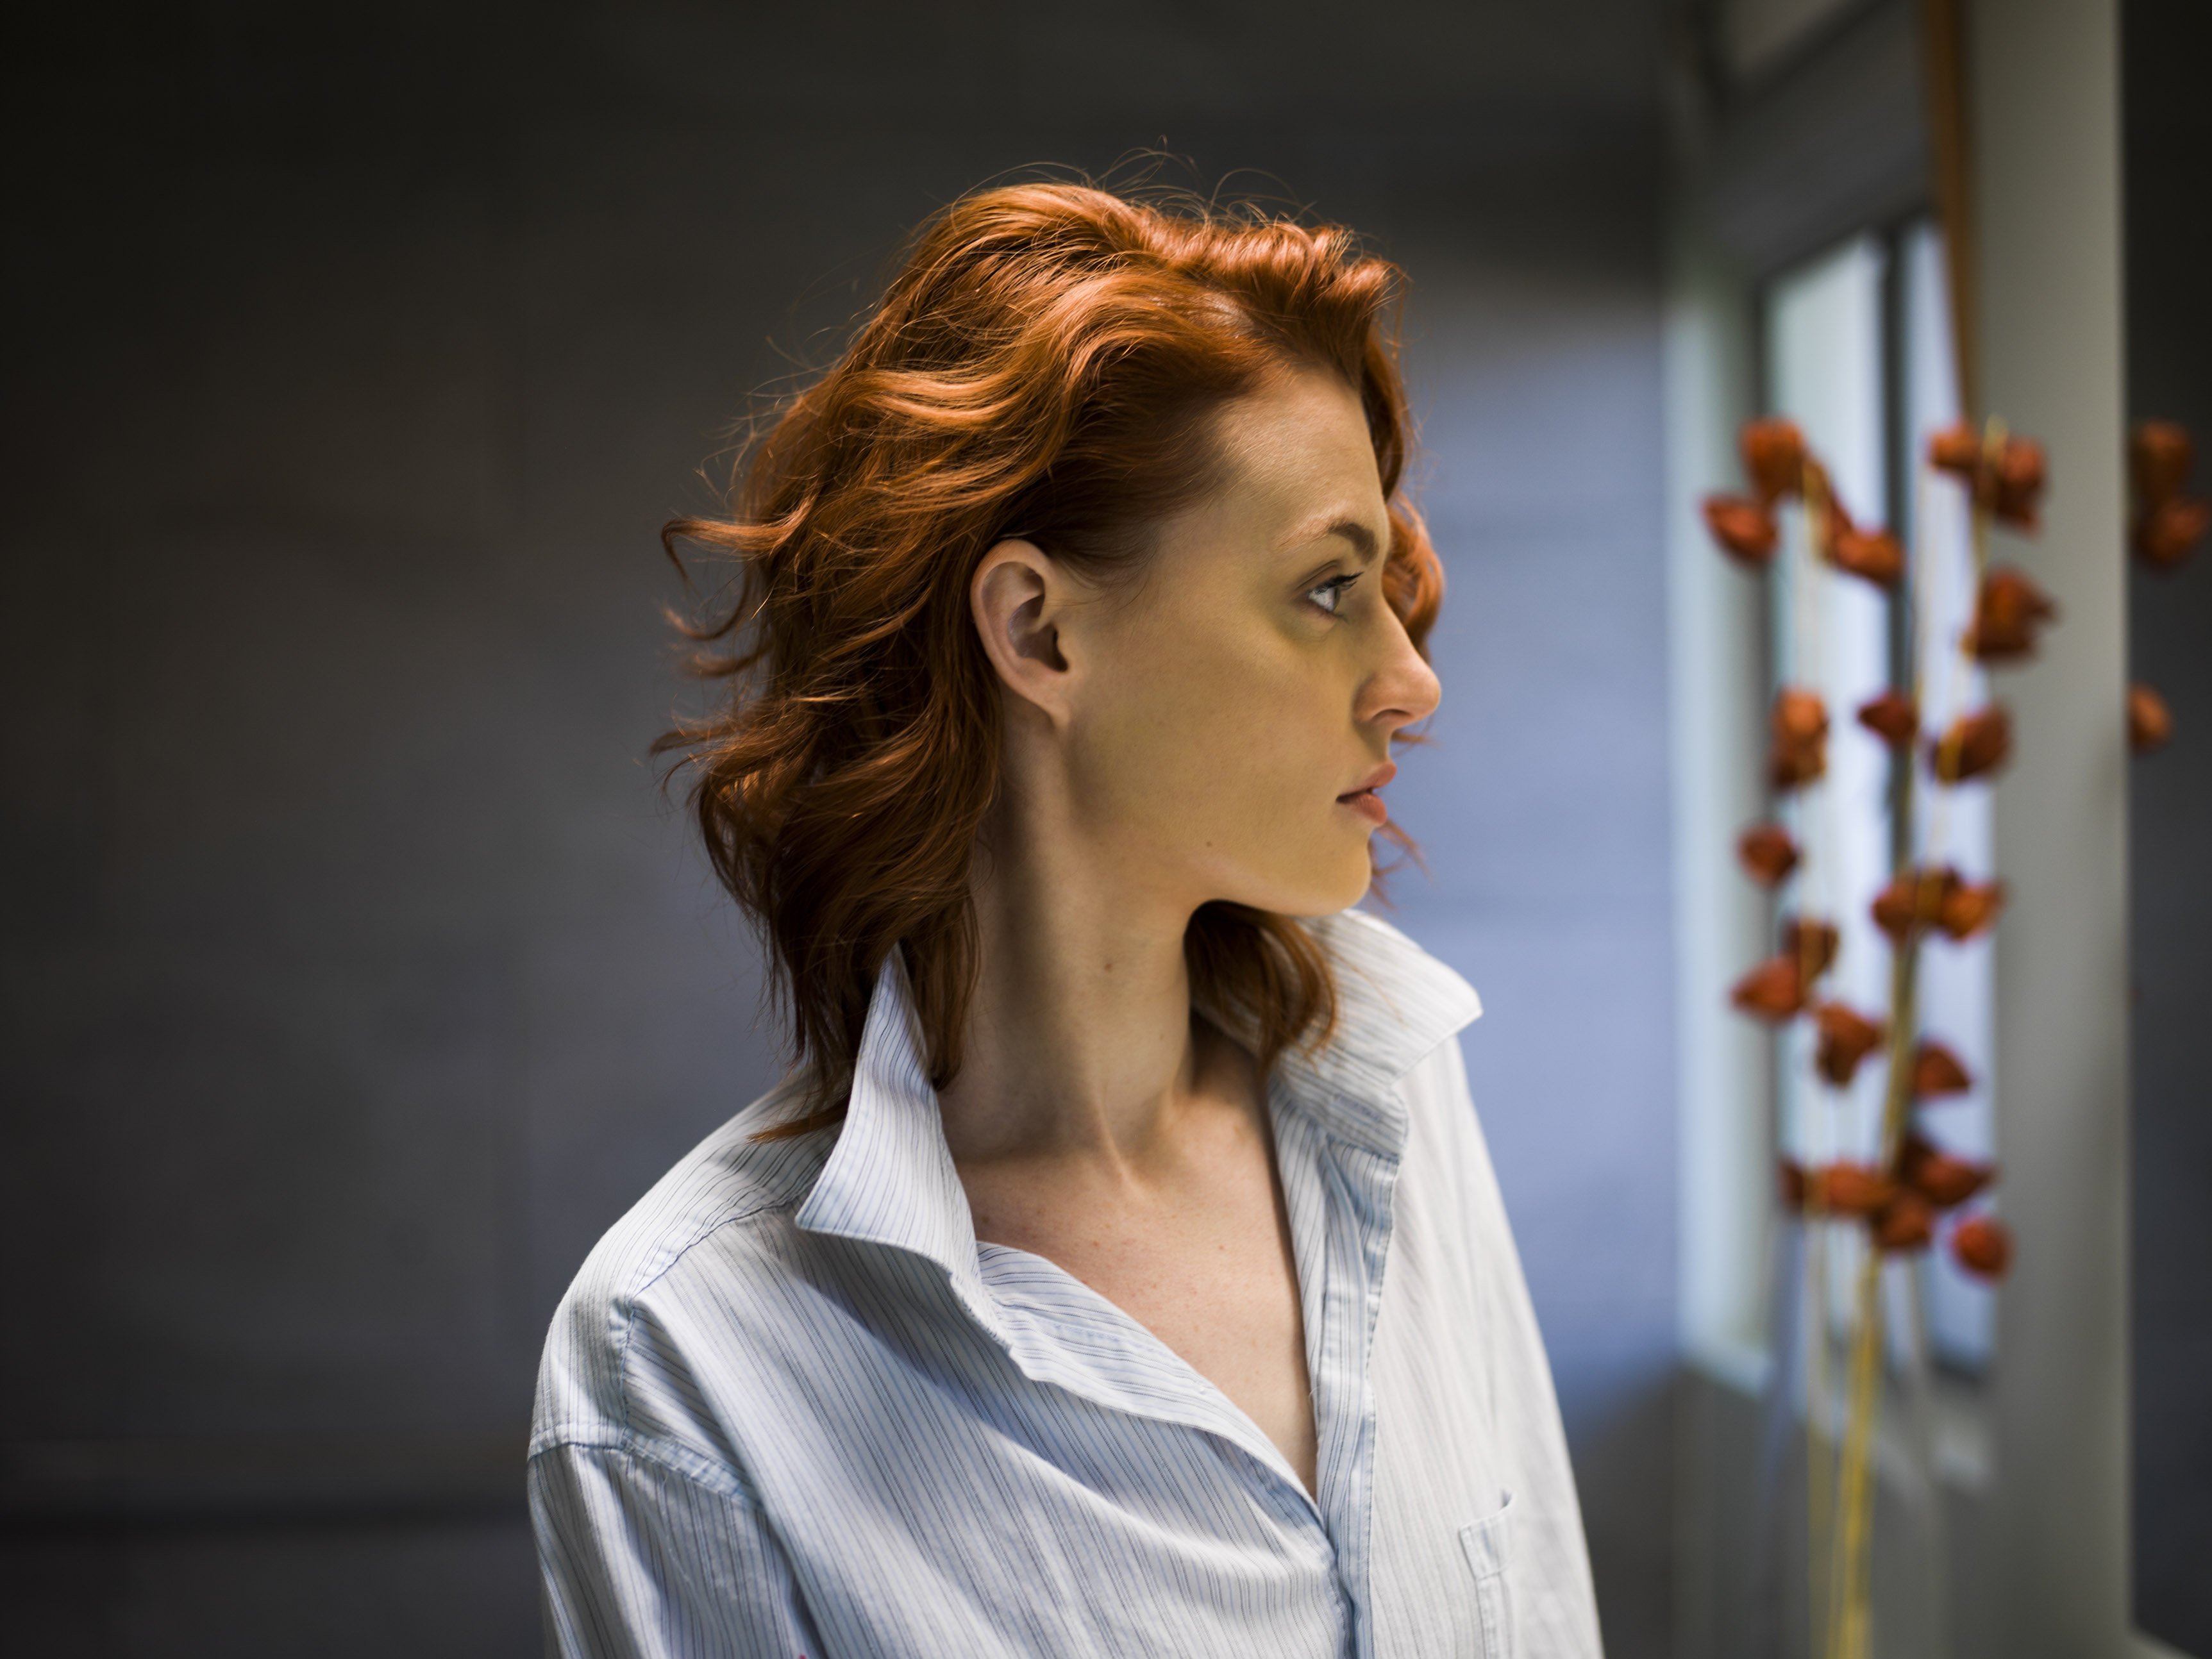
{"x": 1901, "y": 1197}
{"x": 2168, "y": 524}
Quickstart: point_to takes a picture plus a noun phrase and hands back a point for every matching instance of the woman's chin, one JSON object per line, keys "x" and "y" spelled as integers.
{"x": 1323, "y": 894}
{"x": 1329, "y": 873}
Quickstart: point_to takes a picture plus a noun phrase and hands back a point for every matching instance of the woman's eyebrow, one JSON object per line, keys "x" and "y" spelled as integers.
{"x": 1361, "y": 537}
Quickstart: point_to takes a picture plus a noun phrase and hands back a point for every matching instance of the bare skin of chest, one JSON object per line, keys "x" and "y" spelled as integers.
{"x": 1187, "y": 1235}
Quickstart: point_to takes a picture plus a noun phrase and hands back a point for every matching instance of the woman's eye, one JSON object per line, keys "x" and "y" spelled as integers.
{"x": 1329, "y": 596}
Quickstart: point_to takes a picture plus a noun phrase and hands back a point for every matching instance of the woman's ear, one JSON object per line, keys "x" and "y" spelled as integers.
{"x": 1019, "y": 598}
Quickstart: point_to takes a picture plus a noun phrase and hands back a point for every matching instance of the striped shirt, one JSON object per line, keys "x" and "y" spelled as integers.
{"x": 792, "y": 1406}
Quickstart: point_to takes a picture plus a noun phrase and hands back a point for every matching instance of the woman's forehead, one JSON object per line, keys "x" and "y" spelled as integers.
{"x": 1297, "y": 460}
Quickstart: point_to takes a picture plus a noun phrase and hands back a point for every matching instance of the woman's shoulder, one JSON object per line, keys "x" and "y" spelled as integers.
{"x": 705, "y": 1215}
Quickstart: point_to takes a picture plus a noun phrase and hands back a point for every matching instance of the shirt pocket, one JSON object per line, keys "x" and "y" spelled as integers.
{"x": 1487, "y": 1544}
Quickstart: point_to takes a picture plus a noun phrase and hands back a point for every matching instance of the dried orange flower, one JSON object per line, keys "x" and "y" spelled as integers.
{"x": 2150, "y": 722}
{"x": 1795, "y": 765}
{"x": 1971, "y": 908}
{"x": 1800, "y": 738}
{"x": 1914, "y": 900}
{"x": 1850, "y": 1188}
{"x": 1905, "y": 1222}
{"x": 1893, "y": 717}
{"x": 1937, "y": 1071}
{"x": 1944, "y": 1179}
{"x": 2008, "y": 481}
{"x": 1811, "y": 944}
{"x": 1775, "y": 990}
{"x": 2167, "y": 534}
{"x": 2159, "y": 455}
{"x": 2018, "y": 482}
{"x": 1774, "y": 456}
{"x": 1957, "y": 451}
{"x": 2007, "y": 614}
{"x": 1981, "y": 1246}
{"x": 1938, "y": 898}
{"x": 1846, "y": 1038}
{"x": 1975, "y": 744}
{"x": 1767, "y": 852}
{"x": 1872, "y": 556}
{"x": 1947, "y": 1181}
{"x": 1800, "y": 716}
{"x": 1745, "y": 529}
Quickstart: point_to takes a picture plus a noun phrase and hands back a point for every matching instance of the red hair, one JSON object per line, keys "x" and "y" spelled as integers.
{"x": 1041, "y": 366}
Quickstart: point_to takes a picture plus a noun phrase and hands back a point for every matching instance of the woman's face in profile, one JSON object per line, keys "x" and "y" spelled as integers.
{"x": 1235, "y": 709}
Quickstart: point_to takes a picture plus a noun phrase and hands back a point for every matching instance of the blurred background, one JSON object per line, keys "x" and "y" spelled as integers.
{"x": 356, "y": 974}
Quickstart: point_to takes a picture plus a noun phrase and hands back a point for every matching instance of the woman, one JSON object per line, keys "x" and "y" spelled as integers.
{"x": 1120, "y": 1270}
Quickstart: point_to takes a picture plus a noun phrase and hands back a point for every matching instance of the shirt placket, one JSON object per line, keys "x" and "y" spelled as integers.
{"x": 1340, "y": 1193}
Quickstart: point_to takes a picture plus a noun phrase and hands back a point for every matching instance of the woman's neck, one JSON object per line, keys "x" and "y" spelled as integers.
{"x": 1079, "y": 1040}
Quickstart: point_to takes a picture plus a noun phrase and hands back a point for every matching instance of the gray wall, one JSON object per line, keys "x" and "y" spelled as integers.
{"x": 354, "y": 977}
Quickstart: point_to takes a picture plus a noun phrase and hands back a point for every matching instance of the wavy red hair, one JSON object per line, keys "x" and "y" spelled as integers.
{"x": 1041, "y": 366}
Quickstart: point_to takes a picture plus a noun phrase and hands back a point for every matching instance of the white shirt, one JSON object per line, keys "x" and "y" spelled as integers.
{"x": 792, "y": 1406}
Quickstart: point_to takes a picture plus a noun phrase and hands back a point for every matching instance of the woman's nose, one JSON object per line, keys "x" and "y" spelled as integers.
{"x": 1403, "y": 689}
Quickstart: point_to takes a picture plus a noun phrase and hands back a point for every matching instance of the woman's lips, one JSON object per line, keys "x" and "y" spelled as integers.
{"x": 1368, "y": 804}
{"x": 1365, "y": 801}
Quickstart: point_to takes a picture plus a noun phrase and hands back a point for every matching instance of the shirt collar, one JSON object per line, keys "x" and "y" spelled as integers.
{"x": 890, "y": 1179}
{"x": 1395, "y": 1004}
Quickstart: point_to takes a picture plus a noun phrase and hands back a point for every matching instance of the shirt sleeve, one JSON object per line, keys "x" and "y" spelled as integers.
{"x": 640, "y": 1559}
{"x": 1555, "y": 1603}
